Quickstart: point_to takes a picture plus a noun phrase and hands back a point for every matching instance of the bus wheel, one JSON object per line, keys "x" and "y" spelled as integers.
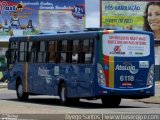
{"x": 74, "y": 101}
{"x": 63, "y": 94}
{"x": 21, "y": 95}
{"x": 111, "y": 101}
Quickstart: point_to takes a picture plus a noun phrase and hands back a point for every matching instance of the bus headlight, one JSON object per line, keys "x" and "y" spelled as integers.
{"x": 101, "y": 76}
{"x": 150, "y": 77}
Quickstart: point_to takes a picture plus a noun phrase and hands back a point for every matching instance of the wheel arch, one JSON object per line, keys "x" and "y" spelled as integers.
{"x": 18, "y": 80}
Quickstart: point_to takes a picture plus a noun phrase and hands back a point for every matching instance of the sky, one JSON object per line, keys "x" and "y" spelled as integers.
{"x": 92, "y": 13}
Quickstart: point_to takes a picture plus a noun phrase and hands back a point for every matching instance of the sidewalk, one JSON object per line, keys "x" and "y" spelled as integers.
{"x": 155, "y": 99}
{"x": 152, "y": 100}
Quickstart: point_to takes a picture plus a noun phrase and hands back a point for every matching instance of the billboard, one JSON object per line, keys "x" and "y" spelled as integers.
{"x": 131, "y": 15}
{"x": 29, "y": 17}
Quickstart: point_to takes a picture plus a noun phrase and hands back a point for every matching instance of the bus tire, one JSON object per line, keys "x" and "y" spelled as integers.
{"x": 21, "y": 95}
{"x": 73, "y": 101}
{"x": 63, "y": 94}
{"x": 111, "y": 102}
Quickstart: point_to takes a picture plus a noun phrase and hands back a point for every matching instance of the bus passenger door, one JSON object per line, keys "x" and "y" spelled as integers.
{"x": 37, "y": 78}
{"x": 32, "y": 84}
{"x": 30, "y": 79}
{"x": 73, "y": 81}
{"x": 83, "y": 58}
{"x": 84, "y": 81}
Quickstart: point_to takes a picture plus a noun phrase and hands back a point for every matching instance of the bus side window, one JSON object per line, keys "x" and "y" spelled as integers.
{"x": 63, "y": 57}
{"x": 91, "y": 49}
{"x": 81, "y": 57}
{"x": 81, "y": 52}
{"x": 88, "y": 48}
{"x": 11, "y": 56}
{"x": 88, "y": 57}
{"x": 13, "y": 52}
{"x": 62, "y": 51}
{"x": 30, "y": 46}
{"x": 75, "y": 50}
{"x": 74, "y": 57}
{"x": 42, "y": 52}
{"x": 23, "y": 52}
{"x": 52, "y": 49}
{"x": 69, "y": 51}
{"x": 29, "y": 51}
{"x": 33, "y": 51}
{"x": 13, "y": 45}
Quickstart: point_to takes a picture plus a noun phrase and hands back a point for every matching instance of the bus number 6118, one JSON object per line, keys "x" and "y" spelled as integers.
{"x": 126, "y": 78}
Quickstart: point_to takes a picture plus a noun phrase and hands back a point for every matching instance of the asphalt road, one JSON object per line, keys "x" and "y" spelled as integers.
{"x": 51, "y": 105}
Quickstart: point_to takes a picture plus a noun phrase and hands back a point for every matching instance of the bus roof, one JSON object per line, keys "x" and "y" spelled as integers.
{"x": 88, "y": 33}
{"x": 59, "y": 36}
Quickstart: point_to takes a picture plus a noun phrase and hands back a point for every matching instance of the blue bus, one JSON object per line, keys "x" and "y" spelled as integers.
{"x": 107, "y": 65}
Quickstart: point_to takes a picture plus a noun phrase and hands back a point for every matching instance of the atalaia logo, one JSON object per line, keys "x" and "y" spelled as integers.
{"x": 130, "y": 68}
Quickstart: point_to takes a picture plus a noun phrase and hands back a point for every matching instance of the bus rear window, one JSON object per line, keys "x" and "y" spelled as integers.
{"x": 126, "y": 45}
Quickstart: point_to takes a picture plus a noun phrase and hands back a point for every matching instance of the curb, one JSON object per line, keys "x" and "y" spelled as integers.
{"x": 151, "y": 100}
{"x": 3, "y": 85}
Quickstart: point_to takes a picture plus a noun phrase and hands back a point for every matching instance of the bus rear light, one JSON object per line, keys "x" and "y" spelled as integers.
{"x": 150, "y": 77}
{"x": 101, "y": 76}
